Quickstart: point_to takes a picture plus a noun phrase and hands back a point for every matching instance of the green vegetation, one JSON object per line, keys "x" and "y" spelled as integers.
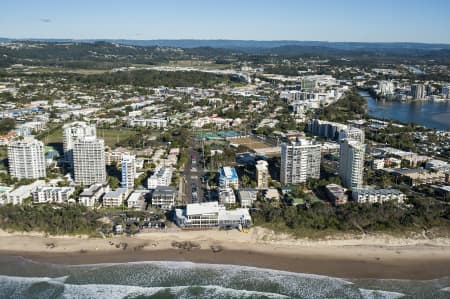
{"x": 351, "y": 106}
{"x": 423, "y": 214}
{"x": 112, "y": 136}
{"x": 152, "y": 78}
{"x": 50, "y": 219}
{"x": 6, "y": 125}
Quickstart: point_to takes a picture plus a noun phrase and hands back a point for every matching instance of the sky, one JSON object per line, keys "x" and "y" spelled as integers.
{"x": 311, "y": 20}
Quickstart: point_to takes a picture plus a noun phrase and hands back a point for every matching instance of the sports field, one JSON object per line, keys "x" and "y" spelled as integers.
{"x": 250, "y": 142}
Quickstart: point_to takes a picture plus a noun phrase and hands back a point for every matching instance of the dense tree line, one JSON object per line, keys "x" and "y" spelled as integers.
{"x": 50, "y": 219}
{"x": 151, "y": 78}
{"x": 6, "y": 125}
{"x": 351, "y": 106}
{"x": 420, "y": 213}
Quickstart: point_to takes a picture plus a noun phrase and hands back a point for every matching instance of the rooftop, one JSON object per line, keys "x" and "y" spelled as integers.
{"x": 202, "y": 208}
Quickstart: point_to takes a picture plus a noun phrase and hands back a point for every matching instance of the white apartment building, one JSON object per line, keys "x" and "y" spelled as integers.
{"x": 128, "y": 167}
{"x": 89, "y": 161}
{"x": 164, "y": 197}
{"x": 17, "y": 196}
{"x": 90, "y": 196}
{"x": 115, "y": 198}
{"x": 26, "y": 159}
{"x": 300, "y": 160}
{"x": 352, "y": 133}
{"x": 73, "y": 132}
{"x": 378, "y": 195}
{"x": 262, "y": 174}
{"x": 226, "y": 196}
{"x": 228, "y": 177}
{"x": 52, "y": 194}
{"x": 247, "y": 197}
{"x": 351, "y": 163}
{"x": 162, "y": 177}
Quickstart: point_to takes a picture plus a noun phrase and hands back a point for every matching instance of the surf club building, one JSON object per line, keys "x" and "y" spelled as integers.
{"x": 210, "y": 215}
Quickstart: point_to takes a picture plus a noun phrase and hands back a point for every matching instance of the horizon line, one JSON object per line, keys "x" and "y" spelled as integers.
{"x": 220, "y": 39}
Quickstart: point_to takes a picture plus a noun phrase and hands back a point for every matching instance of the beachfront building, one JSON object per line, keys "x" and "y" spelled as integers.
{"x": 378, "y": 195}
{"x": 210, "y": 215}
{"x": 136, "y": 200}
{"x": 26, "y": 159}
{"x": 262, "y": 175}
{"x": 247, "y": 197}
{"x": 351, "y": 163}
{"x": 300, "y": 160}
{"x": 228, "y": 177}
{"x": 50, "y": 194}
{"x": 18, "y": 195}
{"x": 73, "y": 132}
{"x": 89, "y": 161}
{"x": 128, "y": 167}
{"x": 90, "y": 196}
{"x": 4, "y": 191}
{"x": 226, "y": 196}
{"x": 336, "y": 194}
{"x": 115, "y": 198}
{"x": 162, "y": 177}
{"x": 164, "y": 197}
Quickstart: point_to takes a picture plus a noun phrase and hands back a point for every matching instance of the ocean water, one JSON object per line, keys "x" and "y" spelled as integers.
{"x": 22, "y": 278}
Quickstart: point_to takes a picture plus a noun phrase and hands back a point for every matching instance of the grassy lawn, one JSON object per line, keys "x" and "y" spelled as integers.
{"x": 111, "y": 136}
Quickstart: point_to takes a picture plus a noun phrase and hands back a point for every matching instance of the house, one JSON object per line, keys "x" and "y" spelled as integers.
{"x": 164, "y": 197}
{"x": 272, "y": 194}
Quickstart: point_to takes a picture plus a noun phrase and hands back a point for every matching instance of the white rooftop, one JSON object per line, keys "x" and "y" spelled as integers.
{"x": 202, "y": 208}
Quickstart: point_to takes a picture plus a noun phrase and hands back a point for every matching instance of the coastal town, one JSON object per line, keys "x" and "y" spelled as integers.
{"x": 220, "y": 154}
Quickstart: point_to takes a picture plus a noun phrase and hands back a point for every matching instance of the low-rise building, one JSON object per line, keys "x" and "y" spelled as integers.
{"x": 247, "y": 197}
{"x": 115, "y": 198}
{"x": 53, "y": 194}
{"x": 226, "y": 196}
{"x": 378, "y": 163}
{"x": 336, "y": 194}
{"x": 377, "y": 195}
{"x": 4, "y": 191}
{"x": 17, "y": 196}
{"x": 228, "y": 177}
{"x": 210, "y": 215}
{"x": 90, "y": 196}
{"x": 162, "y": 177}
{"x": 164, "y": 197}
{"x": 136, "y": 200}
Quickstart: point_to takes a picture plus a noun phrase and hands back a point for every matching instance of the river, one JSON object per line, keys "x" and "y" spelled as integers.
{"x": 433, "y": 115}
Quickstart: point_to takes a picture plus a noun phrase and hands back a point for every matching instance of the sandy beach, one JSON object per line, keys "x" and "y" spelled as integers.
{"x": 373, "y": 256}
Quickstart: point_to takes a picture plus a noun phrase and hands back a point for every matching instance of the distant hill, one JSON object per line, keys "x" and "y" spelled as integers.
{"x": 107, "y": 54}
{"x": 253, "y": 44}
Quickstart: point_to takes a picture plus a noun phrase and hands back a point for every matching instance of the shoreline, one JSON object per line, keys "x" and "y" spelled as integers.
{"x": 378, "y": 257}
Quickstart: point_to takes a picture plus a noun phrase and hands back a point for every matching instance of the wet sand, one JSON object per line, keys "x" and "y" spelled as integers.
{"x": 337, "y": 266}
